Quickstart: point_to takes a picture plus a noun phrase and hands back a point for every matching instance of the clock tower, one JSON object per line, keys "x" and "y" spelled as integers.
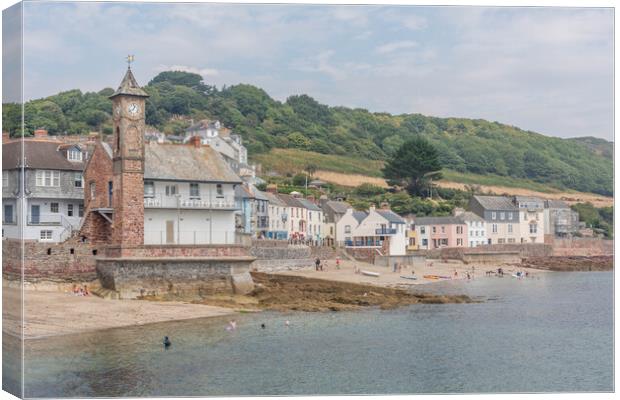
{"x": 127, "y": 186}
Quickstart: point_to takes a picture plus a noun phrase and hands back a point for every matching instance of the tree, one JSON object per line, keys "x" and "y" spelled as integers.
{"x": 311, "y": 169}
{"x": 413, "y": 165}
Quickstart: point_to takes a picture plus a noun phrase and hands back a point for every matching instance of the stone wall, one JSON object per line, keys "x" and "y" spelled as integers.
{"x": 414, "y": 260}
{"x": 69, "y": 261}
{"x": 146, "y": 251}
{"x": 583, "y": 247}
{"x": 362, "y": 254}
{"x": 273, "y": 259}
{"x": 132, "y": 278}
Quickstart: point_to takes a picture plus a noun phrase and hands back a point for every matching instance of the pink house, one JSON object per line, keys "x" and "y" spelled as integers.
{"x": 437, "y": 232}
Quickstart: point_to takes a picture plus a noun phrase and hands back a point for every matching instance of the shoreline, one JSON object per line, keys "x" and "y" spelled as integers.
{"x": 54, "y": 313}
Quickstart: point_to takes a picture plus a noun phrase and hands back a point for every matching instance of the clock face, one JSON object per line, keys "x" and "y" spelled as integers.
{"x": 133, "y": 109}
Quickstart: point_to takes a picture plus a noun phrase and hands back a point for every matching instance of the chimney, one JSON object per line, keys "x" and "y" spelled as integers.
{"x": 195, "y": 140}
{"x": 272, "y": 188}
{"x": 385, "y": 205}
{"x": 40, "y": 133}
{"x": 372, "y": 207}
{"x": 5, "y": 137}
{"x": 310, "y": 197}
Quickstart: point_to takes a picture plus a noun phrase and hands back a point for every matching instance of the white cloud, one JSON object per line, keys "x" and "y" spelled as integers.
{"x": 204, "y": 72}
{"x": 393, "y": 46}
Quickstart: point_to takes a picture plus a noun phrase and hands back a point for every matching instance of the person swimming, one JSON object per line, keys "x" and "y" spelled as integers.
{"x": 262, "y": 326}
{"x": 167, "y": 342}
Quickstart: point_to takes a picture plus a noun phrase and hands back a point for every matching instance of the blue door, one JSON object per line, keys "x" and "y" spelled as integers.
{"x": 35, "y": 214}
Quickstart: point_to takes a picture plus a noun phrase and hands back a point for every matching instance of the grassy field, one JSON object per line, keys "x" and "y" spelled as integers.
{"x": 293, "y": 161}
{"x": 351, "y": 172}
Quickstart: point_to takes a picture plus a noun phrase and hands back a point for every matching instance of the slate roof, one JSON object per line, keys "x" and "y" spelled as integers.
{"x": 37, "y": 154}
{"x": 241, "y": 192}
{"x": 439, "y": 221}
{"x": 129, "y": 86}
{"x": 359, "y": 216}
{"x": 470, "y": 216}
{"x": 186, "y": 163}
{"x": 274, "y": 200}
{"x": 339, "y": 207}
{"x": 309, "y": 205}
{"x": 496, "y": 203}
{"x": 391, "y": 216}
{"x": 260, "y": 195}
{"x": 290, "y": 201}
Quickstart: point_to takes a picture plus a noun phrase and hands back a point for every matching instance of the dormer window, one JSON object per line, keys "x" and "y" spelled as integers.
{"x": 74, "y": 155}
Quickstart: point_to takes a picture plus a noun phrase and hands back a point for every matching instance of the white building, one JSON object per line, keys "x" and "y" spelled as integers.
{"x": 476, "y": 228}
{"x": 531, "y": 218}
{"x": 314, "y": 226}
{"x": 380, "y": 229}
{"x": 278, "y": 217}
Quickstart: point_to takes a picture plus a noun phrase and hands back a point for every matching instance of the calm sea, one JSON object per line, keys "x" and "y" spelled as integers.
{"x": 551, "y": 334}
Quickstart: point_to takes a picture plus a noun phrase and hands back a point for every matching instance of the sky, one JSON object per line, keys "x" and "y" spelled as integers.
{"x": 548, "y": 70}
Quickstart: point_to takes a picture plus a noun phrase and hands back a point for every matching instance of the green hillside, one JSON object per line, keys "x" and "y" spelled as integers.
{"x": 466, "y": 146}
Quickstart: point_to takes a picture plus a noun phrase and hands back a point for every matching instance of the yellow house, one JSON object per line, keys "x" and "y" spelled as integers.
{"x": 412, "y": 238}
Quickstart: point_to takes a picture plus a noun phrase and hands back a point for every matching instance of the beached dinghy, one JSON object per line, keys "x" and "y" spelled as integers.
{"x": 370, "y": 273}
{"x": 409, "y": 277}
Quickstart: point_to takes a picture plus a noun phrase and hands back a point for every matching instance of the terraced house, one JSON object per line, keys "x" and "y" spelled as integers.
{"x": 48, "y": 204}
{"x": 531, "y": 218}
{"x": 501, "y": 216}
{"x": 438, "y": 232}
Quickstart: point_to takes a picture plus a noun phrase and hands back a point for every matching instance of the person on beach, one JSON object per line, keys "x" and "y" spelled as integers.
{"x": 456, "y": 274}
{"x": 167, "y": 342}
{"x": 337, "y": 262}
{"x": 400, "y": 268}
{"x": 86, "y": 292}
{"x": 317, "y": 263}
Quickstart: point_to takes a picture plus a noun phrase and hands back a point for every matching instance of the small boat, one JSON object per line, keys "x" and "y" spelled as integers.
{"x": 370, "y": 273}
{"x": 408, "y": 277}
{"x": 436, "y": 277}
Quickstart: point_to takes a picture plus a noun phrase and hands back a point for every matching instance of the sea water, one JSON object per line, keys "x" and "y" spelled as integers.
{"x": 553, "y": 333}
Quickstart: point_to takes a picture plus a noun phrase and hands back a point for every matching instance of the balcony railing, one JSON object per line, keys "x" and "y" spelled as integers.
{"x": 45, "y": 219}
{"x": 385, "y": 231}
{"x": 186, "y": 202}
{"x": 189, "y": 237}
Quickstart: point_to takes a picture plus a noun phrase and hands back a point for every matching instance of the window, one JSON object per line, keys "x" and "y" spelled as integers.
{"x": 509, "y": 215}
{"x": 8, "y": 214}
{"x": 219, "y": 189}
{"x": 494, "y": 228}
{"x": 471, "y": 233}
{"x": 444, "y": 242}
{"x": 78, "y": 180}
{"x": 501, "y": 241}
{"x": 47, "y": 178}
{"x": 194, "y": 191}
{"x": 524, "y": 216}
{"x": 80, "y": 210}
{"x": 5, "y": 178}
{"x": 502, "y": 216}
{"x": 423, "y": 230}
{"x": 511, "y": 240}
{"x": 347, "y": 229}
{"x": 434, "y": 229}
{"x": 424, "y": 242}
{"x": 533, "y": 228}
{"x": 443, "y": 229}
{"x": 54, "y": 207}
{"x": 69, "y": 210}
{"x": 459, "y": 242}
{"x": 149, "y": 189}
{"x": 171, "y": 190}
{"x": 493, "y": 215}
{"x": 74, "y": 155}
{"x": 509, "y": 228}
{"x": 45, "y": 235}
{"x": 93, "y": 190}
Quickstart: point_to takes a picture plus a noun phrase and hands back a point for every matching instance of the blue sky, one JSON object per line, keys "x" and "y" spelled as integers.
{"x": 548, "y": 70}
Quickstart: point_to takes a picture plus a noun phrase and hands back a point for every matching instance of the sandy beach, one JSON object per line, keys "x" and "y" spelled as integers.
{"x": 57, "y": 313}
{"x": 387, "y": 278}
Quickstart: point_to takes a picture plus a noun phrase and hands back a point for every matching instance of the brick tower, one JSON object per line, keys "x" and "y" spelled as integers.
{"x": 128, "y": 107}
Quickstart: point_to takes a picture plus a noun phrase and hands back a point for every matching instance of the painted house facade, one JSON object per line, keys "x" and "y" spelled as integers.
{"x": 382, "y": 229}
{"x": 278, "y": 217}
{"x": 296, "y": 217}
{"x": 314, "y": 218}
{"x": 49, "y": 206}
{"x": 333, "y": 211}
{"x": 501, "y": 217}
{"x": 347, "y": 224}
{"x": 531, "y": 218}
{"x": 439, "y": 232}
{"x": 476, "y": 228}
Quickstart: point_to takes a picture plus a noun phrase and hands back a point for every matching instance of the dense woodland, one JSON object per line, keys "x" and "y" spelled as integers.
{"x": 464, "y": 145}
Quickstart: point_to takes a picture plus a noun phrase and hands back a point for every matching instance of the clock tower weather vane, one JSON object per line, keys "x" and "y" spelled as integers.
{"x": 129, "y": 60}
